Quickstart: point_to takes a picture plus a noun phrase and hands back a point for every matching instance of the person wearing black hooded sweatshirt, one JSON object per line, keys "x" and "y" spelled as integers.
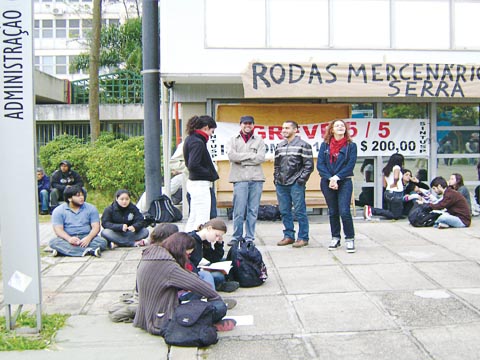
{"x": 123, "y": 223}
{"x": 62, "y": 178}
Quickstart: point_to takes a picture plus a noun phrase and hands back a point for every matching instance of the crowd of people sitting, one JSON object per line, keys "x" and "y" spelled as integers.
{"x": 403, "y": 190}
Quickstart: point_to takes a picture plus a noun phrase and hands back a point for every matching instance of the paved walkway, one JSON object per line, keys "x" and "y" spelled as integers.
{"x": 408, "y": 293}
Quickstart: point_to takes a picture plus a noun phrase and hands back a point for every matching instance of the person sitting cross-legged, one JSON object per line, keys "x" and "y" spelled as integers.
{"x": 458, "y": 211}
{"x": 76, "y": 224}
{"x": 122, "y": 222}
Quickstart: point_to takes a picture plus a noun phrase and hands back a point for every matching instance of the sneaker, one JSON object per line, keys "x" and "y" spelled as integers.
{"x": 97, "y": 252}
{"x": 87, "y": 251}
{"x": 140, "y": 243}
{"x": 367, "y": 212}
{"x": 113, "y": 245}
{"x": 231, "y": 303}
{"x": 350, "y": 245}
{"x": 229, "y": 286}
{"x": 231, "y": 242}
{"x": 225, "y": 325}
{"x": 334, "y": 243}
{"x": 54, "y": 253}
{"x": 442, "y": 226}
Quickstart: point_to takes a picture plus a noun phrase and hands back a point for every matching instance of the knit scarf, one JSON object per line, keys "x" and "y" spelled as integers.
{"x": 204, "y": 134}
{"x": 335, "y": 147}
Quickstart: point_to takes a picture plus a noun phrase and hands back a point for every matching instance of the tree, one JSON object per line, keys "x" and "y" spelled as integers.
{"x": 93, "y": 100}
{"x": 120, "y": 47}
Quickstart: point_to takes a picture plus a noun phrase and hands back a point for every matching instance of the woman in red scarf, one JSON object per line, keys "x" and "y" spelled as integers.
{"x": 336, "y": 159}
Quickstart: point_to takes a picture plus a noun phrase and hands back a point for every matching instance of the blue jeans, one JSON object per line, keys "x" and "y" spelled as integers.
{"x": 65, "y": 248}
{"x": 338, "y": 202}
{"x": 288, "y": 195}
{"x": 126, "y": 238}
{"x": 205, "y": 276}
{"x": 43, "y": 196}
{"x": 450, "y": 220}
{"x": 246, "y": 200}
{"x": 394, "y": 207}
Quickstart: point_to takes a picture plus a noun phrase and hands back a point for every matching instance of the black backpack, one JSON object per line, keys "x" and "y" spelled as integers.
{"x": 248, "y": 267}
{"x": 422, "y": 215}
{"x": 162, "y": 210}
{"x": 265, "y": 213}
{"x": 191, "y": 325}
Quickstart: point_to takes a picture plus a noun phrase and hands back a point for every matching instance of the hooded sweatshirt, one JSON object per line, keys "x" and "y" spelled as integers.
{"x": 60, "y": 180}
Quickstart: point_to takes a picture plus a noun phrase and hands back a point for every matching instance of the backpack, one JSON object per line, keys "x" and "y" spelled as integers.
{"x": 248, "y": 267}
{"x": 265, "y": 212}
{"x": 422, "y": 215}
{"x": 191, "y": 325}
{"x": 124, "y": 310}
{"x": 162, "y": 210}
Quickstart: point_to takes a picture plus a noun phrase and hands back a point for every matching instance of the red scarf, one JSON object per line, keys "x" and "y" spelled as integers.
{"x": 335, "y": 147}
{"x": 203, "y": 133}
{"x": 246, "y": 136}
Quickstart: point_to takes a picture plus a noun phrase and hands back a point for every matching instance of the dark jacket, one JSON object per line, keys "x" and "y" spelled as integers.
{"x": 60, "y": 179}
{"x": 343, "y": 167}
{"x": 203, "y": 249}
{"x": 455, "y": 204}
{"x": 159, "y": 277}
{"x": 114, "y": 216}
{"x": 293, "y": 162}
{"x": 43, "y": 184}
{"x": 197, "y": 159}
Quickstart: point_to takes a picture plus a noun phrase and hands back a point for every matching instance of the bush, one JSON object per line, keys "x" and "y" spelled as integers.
{"x": 109, "y": 164}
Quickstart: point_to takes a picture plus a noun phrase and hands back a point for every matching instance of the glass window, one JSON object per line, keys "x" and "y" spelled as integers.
{"x": 299, "y": 26}
{"x": 61, "y": 28}
{"x": 47, "y": 65}
{"x": 421, "y": 24}
{"x": 467, "y": 26}
{"x": 235, "y": 23}
{"x": 47, "y": 28}
{"x": 405, "y": 111}
{"x": 74, "y": 29}
{"x": 361, "y": 24}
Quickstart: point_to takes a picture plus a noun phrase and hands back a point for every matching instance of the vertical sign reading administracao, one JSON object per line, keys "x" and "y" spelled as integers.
{"x": 18, "y": 190}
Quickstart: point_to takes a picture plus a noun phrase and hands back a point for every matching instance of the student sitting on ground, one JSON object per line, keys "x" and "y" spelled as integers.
{"x": 43, "y": 184}
{"x": 456, "y": 183}
{"x": 61, "y": 179}
{"x": 161, "y": 273}
{"x": 76, "y": 224}
{"x": 209, "y": 245}
{"x": 122, "y": 222}
{"x": 458, "y": 212}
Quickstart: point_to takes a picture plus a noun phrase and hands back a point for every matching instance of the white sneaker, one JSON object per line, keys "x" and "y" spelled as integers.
{"x": 54, "y": 253}
{"x": 334, "y": 244}
{"x": 350, "y": 245}
{"x": 367, "y": 212}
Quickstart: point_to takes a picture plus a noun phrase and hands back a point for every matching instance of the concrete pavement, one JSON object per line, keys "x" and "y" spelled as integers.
{"x": 407, "y": 293}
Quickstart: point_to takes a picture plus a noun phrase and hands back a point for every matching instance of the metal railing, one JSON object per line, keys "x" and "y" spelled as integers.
{"x": 123, "y": 87}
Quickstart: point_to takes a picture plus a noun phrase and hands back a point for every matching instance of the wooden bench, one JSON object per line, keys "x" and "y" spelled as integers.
{"x": 313, "y": 195}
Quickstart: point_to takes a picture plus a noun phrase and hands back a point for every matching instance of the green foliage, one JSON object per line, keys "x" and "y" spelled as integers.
{"x": 11, "y": 340}
{"x": 63, "y": 147}
{"x": 109, "y": 164}
{"x": 120, "y": 47}
{"x": 120, "y": 165}
{"x": 405, "y": 111}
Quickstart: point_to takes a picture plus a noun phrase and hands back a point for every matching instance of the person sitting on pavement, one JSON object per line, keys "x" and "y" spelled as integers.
{"x": 43, "y": 184}
{"x": 458, "y": 212}
{"x": 411, "y": 190}
{"x": 456, "y": 183}
{"x": 62, "y": 178}
{"x": 76, "y": 224}
{"x": 123, "y": 224}
{"x": 160, "y": 274}
{"x": 209, "y": 245}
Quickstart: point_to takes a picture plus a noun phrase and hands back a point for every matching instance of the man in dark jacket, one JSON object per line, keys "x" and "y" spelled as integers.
{"x": 62, "y": 178}
{"x": 43, "y": 183}
{"x": 292, "y": 168}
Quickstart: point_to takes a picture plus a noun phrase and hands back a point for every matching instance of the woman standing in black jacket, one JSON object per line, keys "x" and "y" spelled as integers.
{"x": 122, "y": 222}
{"x": 201, "y": 171}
